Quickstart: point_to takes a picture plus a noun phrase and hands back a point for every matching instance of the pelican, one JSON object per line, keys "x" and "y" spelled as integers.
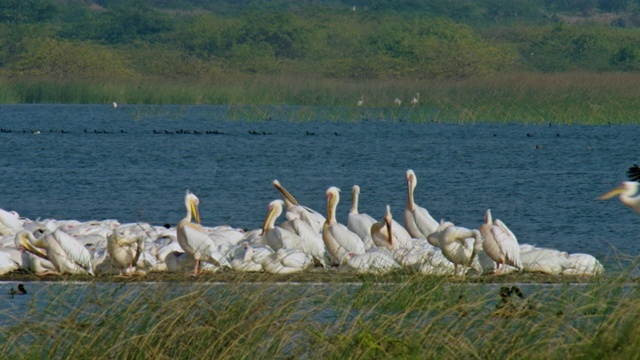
{"x": 9, "y": 222}
{"x": 295, "y": 210}
{"x": 397, "y": 101}
{"x": 67, "y": 254}
{"x": 546, "y": 261}
{"x": 124, "y": 250}
{"x": 359, "y": 223}
{"x": 390, "y": 235}
{"x": 583, "y": 265}
{"x": 418, "y": 221}
{"x": 374, "y": 262}
{"x": 415, "y": 99}
{"x": 296, "y": 235}
{"x": 361, "y": 101}
{"x": 633, "y": 173}
{"x": 625, "y": 192}
{"x": 338, "y": 239}
{"x": 282, "y": 261}
{"x": 7, "y": 262}
{"x": 456, "y": 244}
{"x": 499, "y": 243}
{"x": 243, "y": 259}
{"x": 194, "y": 239}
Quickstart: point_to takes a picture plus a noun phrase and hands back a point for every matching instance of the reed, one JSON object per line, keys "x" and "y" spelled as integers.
{"x": 562, "y": 98}
{"x": 401, "y": 315}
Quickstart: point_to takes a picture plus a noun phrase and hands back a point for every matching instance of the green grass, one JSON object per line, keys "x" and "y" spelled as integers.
{"x": 336, "y": 316}
{"x": 563, "y": 98}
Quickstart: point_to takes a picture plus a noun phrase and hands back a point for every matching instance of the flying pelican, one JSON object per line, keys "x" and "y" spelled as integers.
{"x": 633, "y": 173}
{"x": 415, "y": 100}
{"x": 626, "y": 192}
{"x": 297, "y": 234}
{"x": 418, "y": 221}
{"x": 295, "y": 210}
{"x": 500, "y": 244}
{"x": 388, "y": 234}
{"x": 361, "y": 101}
{"x": 66, "y": 253}
{"x": 397, "y": 101}
{"x": 456, "y": 244}
{"x": 124, "y": 250}
{"x": 357, "y": 222}
{"x": 9, "y": 222}
{"x": 194, "y": 240}
{"x": 338, "y": 239}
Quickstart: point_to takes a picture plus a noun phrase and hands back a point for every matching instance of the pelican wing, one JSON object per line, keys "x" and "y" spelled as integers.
{"x": 74, "y": 250}
{"x": 7, "y": 264}
{"x": 424, "y": 221}
{"x": 633, "y": 173}
{"x": 196, "y": 238}
{"x": 360, "y": 224}
{"x": 509, "y": 246}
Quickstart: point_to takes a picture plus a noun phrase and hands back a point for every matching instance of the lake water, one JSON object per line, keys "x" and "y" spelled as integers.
{"x": 97, "y": 162}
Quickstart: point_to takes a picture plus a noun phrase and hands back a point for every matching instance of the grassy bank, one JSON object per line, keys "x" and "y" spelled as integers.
{"x": 419, "y": 317}
{"x": 563, "y": 98}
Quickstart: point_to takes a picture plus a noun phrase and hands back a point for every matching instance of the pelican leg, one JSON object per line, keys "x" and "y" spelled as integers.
{"x": 196, "y": 271}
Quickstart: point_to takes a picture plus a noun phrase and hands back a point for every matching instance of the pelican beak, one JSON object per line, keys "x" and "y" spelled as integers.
{"x": 611, "y": 193}
{"x": 389, "y": 231}
{"x": 285, "y": 193}
{"x": 194, "y": 211}
{"x": 267, "y": 219}
{"x": 26, "y": 245}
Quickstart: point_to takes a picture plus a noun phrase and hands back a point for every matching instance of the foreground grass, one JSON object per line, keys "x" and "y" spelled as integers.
{"x": 564, "y": 98}
{"x": 399, "y": 315}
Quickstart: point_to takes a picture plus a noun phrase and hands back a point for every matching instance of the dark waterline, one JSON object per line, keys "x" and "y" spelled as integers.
{"x": 131, "y": 164}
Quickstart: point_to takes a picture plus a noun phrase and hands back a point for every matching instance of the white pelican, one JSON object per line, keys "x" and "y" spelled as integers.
{"x": 9, "y": 222}
{"x": 415, "y": 99}
{"x": 243, "y": 259}
{"x": 583, "y": 265}
{"x": 295, "y": 210}
{"x": 357, "y": 222}
{"x": 397, "y": 101}
{"x": 338, "y": 239}
{"x": 7, "y": 262}
{"x": 389, "y": 234}
{"x": 374, "y": 262}
{"x": 626, "y": 192}
{"x": 67, "y": 254}
{"x": 296, "y": 235}
{"x": 418, "y": 221}
{"x": 282, "y": 261}
{"x": 361, "y": 101}
{"x": 194, "y": 240}
{"x": 542, "y": 260}
{"x": 125, "y": 250}
{"x": 499, "y": 243}
{"x": 457, "y": 245}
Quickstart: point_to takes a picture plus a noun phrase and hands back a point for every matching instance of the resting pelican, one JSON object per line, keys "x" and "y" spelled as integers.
{"x": 295, "y": 210}
{"x": 124, "y": 250}
{"x": 374, "y": 262}
{"x": 243, "y": 259}
{"x": 546, "y": 261}
{"x": 456, "y": 244}
{"x": 633, "y": 173}
{"x": 9, "y": 222}
{"x": 297, "y": 235}
{"x": 7, "y": 263}
{"x": 359, "y": 223}
{"x": 418, "y": 221}
{"x": 626, "y": 192}
{"x": 67, "y": 254}
{"x": 499, "y": 243}
{"x": 338, "y": 239}
{"x": 583, "y": 265}
{"x": 194, "y": 240}
{"x": 282, "y": 261}
{"x": 388, "y": 234}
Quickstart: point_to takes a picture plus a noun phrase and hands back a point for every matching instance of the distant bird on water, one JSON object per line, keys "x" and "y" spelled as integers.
{"x": 20, "y": 291}
{"x": 114, "y": 104}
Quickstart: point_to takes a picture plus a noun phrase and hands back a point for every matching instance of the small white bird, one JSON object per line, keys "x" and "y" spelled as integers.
{"x": 415, "y": 100}
{"x": 361, "y": 101}
{"x": 397, "y": 101}
{"x": 114, "y": 104}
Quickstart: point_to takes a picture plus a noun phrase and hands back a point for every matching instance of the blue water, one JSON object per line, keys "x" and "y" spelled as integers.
{"x": 542, "y": 181}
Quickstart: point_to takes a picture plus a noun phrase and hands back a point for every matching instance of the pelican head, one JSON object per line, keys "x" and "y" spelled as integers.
{"x": 25, "y": 241}
{"x": 273, "y": 213}
{"x": 288, "y": 198}
{"x": 412, "y": 181}
{"x": 333, "y": 197}
{"x": 628, "y": 188}
{"x": 191, "y": 202}
{"x": 487, "y": 217}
